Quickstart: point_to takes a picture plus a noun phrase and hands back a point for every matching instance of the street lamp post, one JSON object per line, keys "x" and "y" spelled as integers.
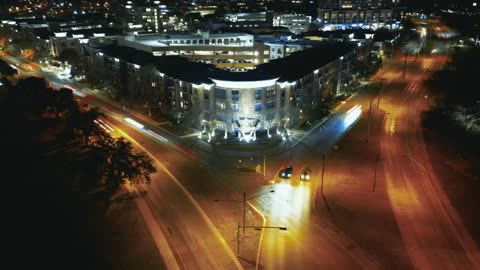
{"x": 377, "y": 157}
{"x": 264, "y": 164}
{"x": 380, "y": 92}
{"x": 256, "y": 228}
{"x": 244, "y": 201}
{"x": 369, "y": 117}
{"x": 323, "y": 172}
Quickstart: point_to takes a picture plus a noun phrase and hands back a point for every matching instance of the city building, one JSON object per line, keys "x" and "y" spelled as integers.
{"x": 296, "y": 23}
{"x": 275, "y": 95}
{"x": 359, "y": 14}
{"x": 62, "y": 41}
{"x": 232, "y": 51}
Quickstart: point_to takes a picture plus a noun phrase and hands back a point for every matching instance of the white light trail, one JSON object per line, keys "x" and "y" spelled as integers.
{"x": 156, "y": 135}
{"x": 352, "y": 115}
{"x": 134, "y": 123}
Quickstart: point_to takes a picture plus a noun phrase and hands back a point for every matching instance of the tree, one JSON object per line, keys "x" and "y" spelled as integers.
{"x": 455, "y": 87}
{"x": 73, "y": 58}
{"x": 119, "y": 164}
{"x": 28, "y": 54}
{"x": 65, "y": 104}
{"x": 6, "y": 70}
{"x": 85, "y": 122}
{"x": 34, "y": 96}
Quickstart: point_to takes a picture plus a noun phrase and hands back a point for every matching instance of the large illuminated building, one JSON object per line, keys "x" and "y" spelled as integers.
{"x": 334, "y": 14}
{"x": 278, "y": 95}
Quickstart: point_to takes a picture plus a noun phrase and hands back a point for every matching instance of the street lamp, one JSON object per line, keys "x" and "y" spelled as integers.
{"x": 256, "y": 228}
{"x": 380, "y": 92}
{"x": 244, "y": 204}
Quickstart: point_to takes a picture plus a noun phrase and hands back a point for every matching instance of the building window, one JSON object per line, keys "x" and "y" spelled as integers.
{"x": 206, "y": 93}
{"x": 220, "y": 105}
{"x": 270, "y": 105}
{"x": 221, "y": 117}
{"x": 271, "y": 92}
{"x": 235, "y": 95}
{"x": 258, "y": 107}
{"x": 258, "y": 94}
{"x": 220, "y": 93}
{"x": 235, "y": 107}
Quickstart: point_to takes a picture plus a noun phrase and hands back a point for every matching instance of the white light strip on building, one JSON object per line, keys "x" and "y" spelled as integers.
{"x": 205, "y": 86}
{"x": 60, "y": 34}
{"x": 243, "y": 84}
{"x": 284, "y": 84}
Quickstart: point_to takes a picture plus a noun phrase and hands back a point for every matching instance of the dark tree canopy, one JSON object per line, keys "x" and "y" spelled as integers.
{"x": 6, "y": 70}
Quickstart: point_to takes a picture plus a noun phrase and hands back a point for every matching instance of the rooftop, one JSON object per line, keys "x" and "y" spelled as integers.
{"x": 290, "y": 68}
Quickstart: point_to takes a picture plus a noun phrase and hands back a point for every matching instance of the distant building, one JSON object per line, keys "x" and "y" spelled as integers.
{"x": 296, "y": 23}
{"x": 357, "y": 4}
{"x": 248, "y": 17}
{"x": 74, "y": 39}
{"x": 371, "y": 18}
{"x": 232, "y": 51}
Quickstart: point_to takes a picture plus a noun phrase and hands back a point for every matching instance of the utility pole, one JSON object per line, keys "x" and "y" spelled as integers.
{"x": 244, "y": 213}
{"x": 369, "y": 117}
{"x": 323, "y": 172}
{"x": 264, "y": 164}
{"x": 404, "y": 64}
{"x": 377, "y": 157}
{"x": 238, "y": 239}
{"x": 256, "y": 228}
{"x": 380, "y": 92}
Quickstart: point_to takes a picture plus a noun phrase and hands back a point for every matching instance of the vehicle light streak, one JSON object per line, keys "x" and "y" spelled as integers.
{"x": 156, "y": 135}
{"x": 352, "y": 115}
{"x": 107, "y": 127}
{"x": 76, "y": 91}
{"x": 134, "y": 123}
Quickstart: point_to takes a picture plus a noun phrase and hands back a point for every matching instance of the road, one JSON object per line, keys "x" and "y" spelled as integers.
{"x": 340, "y": 219}
{"x": 432, "y": 233}
{"x": 381, "y": 205}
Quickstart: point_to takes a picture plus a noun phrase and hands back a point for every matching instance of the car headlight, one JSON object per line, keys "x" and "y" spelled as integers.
{"x": 289, "y": 175}
{"x": 308, "y": 177}
{"x": 302, "y": 177}
{"x": 283, "y": 174}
